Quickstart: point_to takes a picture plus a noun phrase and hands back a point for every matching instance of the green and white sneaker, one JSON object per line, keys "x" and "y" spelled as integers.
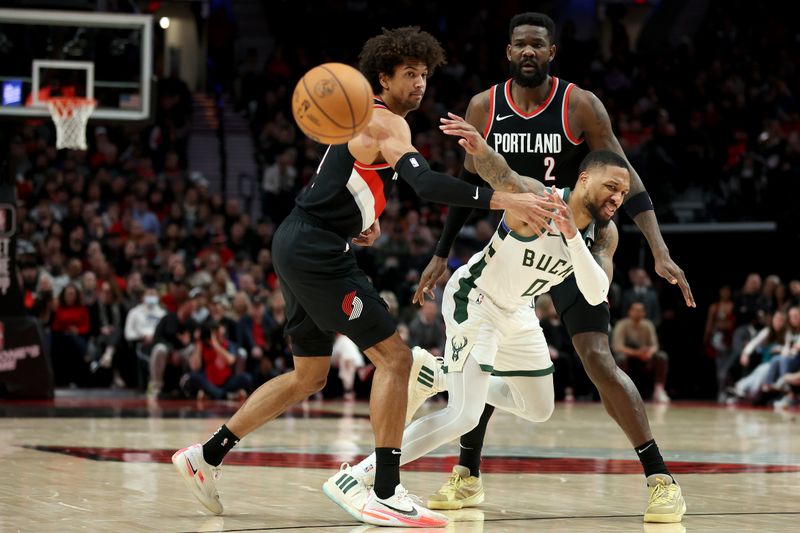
{"x": 425, "y": 380}
{"x": 346, "y": 491}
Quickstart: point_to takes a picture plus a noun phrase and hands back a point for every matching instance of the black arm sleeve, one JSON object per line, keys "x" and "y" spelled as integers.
{"x": 440, "y": 188}
{"x": 456, "y": 217}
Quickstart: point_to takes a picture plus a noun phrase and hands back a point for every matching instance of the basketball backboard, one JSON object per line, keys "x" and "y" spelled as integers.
{"x": 108, "y": 57}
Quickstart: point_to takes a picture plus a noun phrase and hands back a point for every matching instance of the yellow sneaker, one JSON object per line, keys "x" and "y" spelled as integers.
{"x": 666, "y": 503}
{"x": 461, "y": 490}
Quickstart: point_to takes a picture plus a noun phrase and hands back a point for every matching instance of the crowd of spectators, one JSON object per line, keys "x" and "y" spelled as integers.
{"x": 144, "y": 276}
{"x": 711, "y": 118}
{"x": 753, "y": 334}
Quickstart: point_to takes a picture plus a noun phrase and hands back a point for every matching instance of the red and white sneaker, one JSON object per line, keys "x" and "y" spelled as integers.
{"x": 199, "y": 476}
{"x": 401, "y": 510}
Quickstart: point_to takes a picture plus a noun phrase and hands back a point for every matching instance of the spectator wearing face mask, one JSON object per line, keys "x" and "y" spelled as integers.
{"x": 140, "y": 327}
{"x": 142, "y": 320}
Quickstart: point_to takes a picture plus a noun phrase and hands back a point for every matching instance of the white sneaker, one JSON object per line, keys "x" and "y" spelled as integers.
{"x": 660, "y": 396}
{"x": 425, "y": 380}
{"x": 346, "y": 491}
{"x": 784, "y": 403}
{"x": 200, "y": 476}
{"x": 400, "y": 510}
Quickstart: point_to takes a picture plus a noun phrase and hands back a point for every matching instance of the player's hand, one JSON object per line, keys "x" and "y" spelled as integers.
{"x": 369, "y": 235}
{"x": 667, "y": 269}
{"x": 565, "y": 222}
{"x": 533, "y": 209}
{"x": 471, "y": 140}
{"x": 430, "y": 276}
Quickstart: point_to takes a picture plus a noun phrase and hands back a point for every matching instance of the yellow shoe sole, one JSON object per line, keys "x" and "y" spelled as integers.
{"x": 453, "y": 505}
{"x": 671, "y": 518}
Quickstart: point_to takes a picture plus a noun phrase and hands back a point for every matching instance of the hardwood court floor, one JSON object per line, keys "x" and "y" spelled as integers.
{"x": 80, "y": 464}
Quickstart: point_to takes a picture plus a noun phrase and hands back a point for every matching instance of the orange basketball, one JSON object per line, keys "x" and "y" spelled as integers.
{"x": 332, "y": 103}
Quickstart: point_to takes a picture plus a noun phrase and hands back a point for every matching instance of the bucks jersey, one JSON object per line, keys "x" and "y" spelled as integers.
{"x": 346, "y": 194}
{"x": 512, "y": 269}
{"x": 538, "y": 144}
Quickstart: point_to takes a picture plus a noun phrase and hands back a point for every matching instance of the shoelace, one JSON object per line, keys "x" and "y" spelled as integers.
{"x": 455, "y": 481}
{"x": 403, "y": 494}
{"x": 661, "y": 494}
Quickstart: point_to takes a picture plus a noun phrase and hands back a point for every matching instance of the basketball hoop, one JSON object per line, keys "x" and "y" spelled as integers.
{"x": 70, "y": 116}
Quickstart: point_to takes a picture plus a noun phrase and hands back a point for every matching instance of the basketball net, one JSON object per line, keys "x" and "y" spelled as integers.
{"x": 70, "y": 116}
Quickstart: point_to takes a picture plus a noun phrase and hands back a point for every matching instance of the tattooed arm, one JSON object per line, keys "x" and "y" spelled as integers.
{"x": 604, "y": 247}
{"x": 587, "y": 116}
{"x": 491, "y": 166}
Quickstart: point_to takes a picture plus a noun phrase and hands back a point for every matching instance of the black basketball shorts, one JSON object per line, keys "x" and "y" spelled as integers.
{"x": 577, "y": 315}
{"x": 325, "y": 291}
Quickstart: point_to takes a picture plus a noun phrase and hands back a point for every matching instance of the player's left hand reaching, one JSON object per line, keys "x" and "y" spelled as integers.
{"x": 369, "y": 235}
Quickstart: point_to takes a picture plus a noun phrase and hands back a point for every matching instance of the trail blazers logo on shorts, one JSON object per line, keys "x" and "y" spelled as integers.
{"x": 352, "y": 305}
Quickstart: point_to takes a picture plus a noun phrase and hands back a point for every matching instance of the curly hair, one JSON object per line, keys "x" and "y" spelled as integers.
{"x": 382, "y": 53}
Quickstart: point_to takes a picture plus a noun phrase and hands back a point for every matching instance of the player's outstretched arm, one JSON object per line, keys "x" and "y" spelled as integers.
{"x": 393, "y": 137}
{"x": 491, "y": 166}
{"x": 588, "y": 113}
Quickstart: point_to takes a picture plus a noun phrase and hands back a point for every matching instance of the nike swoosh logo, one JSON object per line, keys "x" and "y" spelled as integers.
{"x": 476, "y": 193}
{"x": 645, "y": 448}
{"x": 395, "y": 452}
{"x": 194, "y": 470}
{"x": 500, "y": 117}
{"x": 412, "y": 512}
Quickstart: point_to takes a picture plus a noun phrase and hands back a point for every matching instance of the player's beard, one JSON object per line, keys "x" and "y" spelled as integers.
{"x": 529, "y": 80}
{"x": 595, "y": 211}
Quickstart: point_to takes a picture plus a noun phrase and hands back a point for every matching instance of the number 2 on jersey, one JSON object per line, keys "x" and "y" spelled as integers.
{"x": 550, "y": 164}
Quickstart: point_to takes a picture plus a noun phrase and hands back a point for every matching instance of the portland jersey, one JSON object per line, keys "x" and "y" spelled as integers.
{"x": 512, "y": 269}
{"x": 346, "y": 194}
{"x": 538, "y": 144}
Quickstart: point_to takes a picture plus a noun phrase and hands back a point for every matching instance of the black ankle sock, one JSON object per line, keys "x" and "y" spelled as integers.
{"x": 220, "y": 443}
{"x": 651, "y": 459}
{"x": 387, "y": 471}
{"x": 472, "y": 443}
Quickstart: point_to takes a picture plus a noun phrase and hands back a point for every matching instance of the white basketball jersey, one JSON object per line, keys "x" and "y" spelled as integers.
{"x": 511, "y": 270}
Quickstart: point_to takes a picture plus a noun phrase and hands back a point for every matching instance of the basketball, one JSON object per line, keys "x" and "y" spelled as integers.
{"x": 332, "y": 103}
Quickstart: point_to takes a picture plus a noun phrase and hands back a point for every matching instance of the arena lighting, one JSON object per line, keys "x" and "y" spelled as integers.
{"x": 163, "y": 22}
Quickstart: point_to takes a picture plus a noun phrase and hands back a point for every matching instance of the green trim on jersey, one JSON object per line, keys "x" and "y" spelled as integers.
{"x": 519, "y": 237}
{"x": 511, "y": 373}
{"x": 502, "y": 230}
{"x": 514, "y": 373}
{"x": 467, "y": 284}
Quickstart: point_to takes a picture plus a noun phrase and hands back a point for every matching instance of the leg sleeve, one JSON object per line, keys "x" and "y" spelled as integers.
{"x": 466, "y": 398}
{"x": 528, "y": 397}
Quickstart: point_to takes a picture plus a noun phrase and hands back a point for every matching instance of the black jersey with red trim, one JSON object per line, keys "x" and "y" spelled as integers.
{"x": 346, "y": 194}
{"x": 538, "y": 144}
